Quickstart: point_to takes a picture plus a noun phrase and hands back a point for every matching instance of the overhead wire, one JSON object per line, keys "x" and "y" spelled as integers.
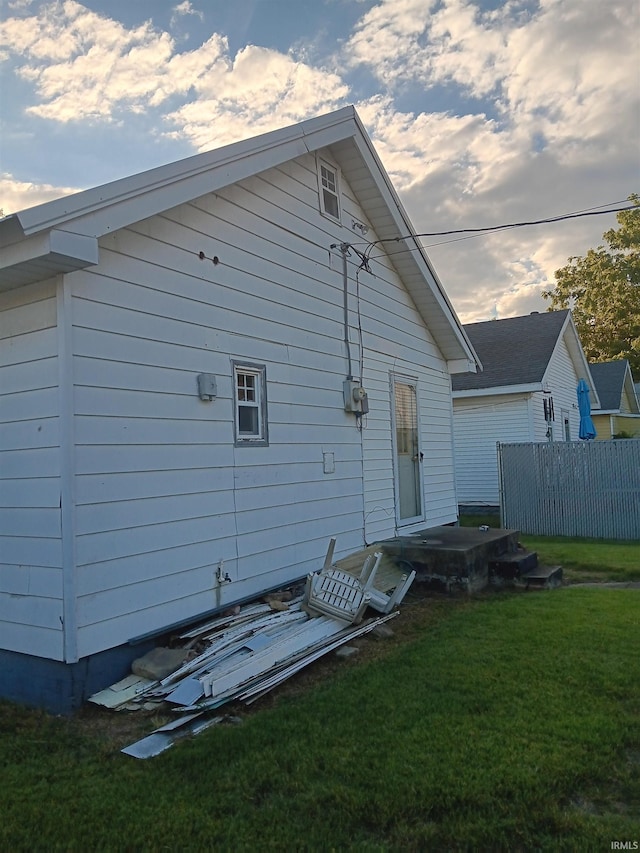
{"x": 471, "y": 233}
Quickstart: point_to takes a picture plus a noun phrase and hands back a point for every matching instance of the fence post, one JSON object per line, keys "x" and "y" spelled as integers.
{"x": 500, "y": 484}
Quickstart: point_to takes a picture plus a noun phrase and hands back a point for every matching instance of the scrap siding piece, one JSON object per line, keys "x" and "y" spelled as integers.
{"x": 122, "y": 692}
{"x": 165, "y": 736}
{"x": 247, "y": 666}
{"x": 264, "y": 686}
{"x": 227, "y": 642}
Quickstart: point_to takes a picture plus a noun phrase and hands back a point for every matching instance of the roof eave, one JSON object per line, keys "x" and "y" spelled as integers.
{"x": 44, "y": 255}
{"x": 498, "y": 390}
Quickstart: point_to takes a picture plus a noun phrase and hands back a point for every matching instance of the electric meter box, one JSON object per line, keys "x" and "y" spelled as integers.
{"x": 355, "y": 397}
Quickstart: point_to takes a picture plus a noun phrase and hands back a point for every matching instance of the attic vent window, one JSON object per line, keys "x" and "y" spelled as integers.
{"x": 329, "y": 190}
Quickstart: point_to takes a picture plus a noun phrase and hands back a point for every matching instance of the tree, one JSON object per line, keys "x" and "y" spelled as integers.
{"x": 602, "y": 289}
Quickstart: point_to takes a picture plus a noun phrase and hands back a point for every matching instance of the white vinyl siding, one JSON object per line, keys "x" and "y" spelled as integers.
{"x": 479, "y": 424}
{"x": 30, "y": 536}
{"x": 562, "y": 381}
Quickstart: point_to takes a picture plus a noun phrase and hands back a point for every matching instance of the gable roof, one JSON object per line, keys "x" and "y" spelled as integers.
{"x": 610, "y": 378}
{"x": 516, "y": 352}
{"x": 62, "y": 235}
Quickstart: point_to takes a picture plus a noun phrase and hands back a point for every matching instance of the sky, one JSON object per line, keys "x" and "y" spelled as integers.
{"x": 483, "y": 113}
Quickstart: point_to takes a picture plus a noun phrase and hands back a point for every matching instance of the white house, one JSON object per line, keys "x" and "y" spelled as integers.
{"x": 525, "y": 393}
{"x": 201, "y": 382}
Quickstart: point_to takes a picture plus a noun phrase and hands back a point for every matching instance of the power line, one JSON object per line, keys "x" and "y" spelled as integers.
{"x": 493, "y": 228}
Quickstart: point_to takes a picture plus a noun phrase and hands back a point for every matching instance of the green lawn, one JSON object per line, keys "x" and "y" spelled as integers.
{"x": 506, "y": 721}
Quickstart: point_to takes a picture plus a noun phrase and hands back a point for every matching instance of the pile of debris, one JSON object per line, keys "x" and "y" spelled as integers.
{"x": 243, "y": 654}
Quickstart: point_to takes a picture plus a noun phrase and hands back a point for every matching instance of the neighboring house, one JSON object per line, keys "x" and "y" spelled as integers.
{"x": 619, "y": 412}
{"x": 526, "y": 392}
{"x": 183, "y": 355}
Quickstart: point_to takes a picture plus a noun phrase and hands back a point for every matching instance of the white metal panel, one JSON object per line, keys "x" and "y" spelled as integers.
{"x": 28, "y": 317}
{"x": 29, "y": 638}
{"x": 30, "y": 541}
{"x": 25, "y": 580}
{"x": 478, "y": 426}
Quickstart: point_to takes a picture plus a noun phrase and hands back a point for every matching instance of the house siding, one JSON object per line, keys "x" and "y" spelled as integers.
{"x": 629, "y": 425}
{"x": 31, "y": 610}
{"x": 479, "y": 424}
{"x": 562, "y": 380}
{"x": 626, "y": 405}
{"x": 163, "y": 495}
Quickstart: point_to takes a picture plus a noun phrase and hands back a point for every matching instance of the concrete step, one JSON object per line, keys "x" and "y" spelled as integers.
{"x": 543, "y": 577}
{"x": 512, "y": 565}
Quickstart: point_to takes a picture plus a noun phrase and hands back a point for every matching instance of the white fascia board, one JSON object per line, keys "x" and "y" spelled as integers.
{"x": 133, "y": 199}
{"x": 326, "y": 130}
{"x": 462, "y": 365}
{"x": 103, "y": 209}
{"x": 55, "y": 251}
{"x": 498, "y": 391}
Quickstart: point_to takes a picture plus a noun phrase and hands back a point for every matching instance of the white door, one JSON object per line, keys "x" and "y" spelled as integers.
{"x": 407, "y": 454}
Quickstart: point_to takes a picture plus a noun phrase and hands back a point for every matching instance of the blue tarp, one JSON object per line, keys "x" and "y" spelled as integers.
{"x": 587, "y": 429}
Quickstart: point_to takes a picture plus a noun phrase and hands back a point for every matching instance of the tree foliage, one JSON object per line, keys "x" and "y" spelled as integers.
{"x": 602, "y": 289}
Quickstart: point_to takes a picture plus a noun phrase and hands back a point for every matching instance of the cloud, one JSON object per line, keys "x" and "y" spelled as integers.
{"x": 183, "y": 9}
{"x": 544, "y": 118}
{"x": 259, "y": 91}
{"x": 17, "y": 195}
{"x": 179, "y": 15}
{"x": 558, "y": 72}
{"x": 431, "y": 43}
{"x": 555, "y": 130}
{"x": 84, "y": 65}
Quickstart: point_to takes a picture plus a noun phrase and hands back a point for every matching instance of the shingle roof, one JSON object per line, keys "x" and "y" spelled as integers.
{"x": 514, "y": 351}
{"x": 608, "y": 377}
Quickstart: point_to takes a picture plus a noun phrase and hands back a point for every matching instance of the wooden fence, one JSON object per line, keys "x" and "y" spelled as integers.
{"x": 574, "y": 488}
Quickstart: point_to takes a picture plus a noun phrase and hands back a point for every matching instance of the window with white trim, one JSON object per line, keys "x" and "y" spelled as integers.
{"x": 250, "y": 404}
{"x": 329, "y": 183}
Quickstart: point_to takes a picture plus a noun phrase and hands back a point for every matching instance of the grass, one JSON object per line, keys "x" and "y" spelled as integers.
{"x": 506, "y": 721}
{"x": 582, "y": 559}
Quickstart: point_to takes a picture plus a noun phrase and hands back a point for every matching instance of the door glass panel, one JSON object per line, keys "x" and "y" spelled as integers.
{"x": 407, "y": 450}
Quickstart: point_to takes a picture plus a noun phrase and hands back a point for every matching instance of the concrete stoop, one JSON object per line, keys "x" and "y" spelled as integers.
{"x": 521, "y": 569}
{"x": 450, "y": 557}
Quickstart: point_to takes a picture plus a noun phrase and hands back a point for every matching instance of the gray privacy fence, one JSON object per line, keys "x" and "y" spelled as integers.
{"x": 571, "y": 488}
